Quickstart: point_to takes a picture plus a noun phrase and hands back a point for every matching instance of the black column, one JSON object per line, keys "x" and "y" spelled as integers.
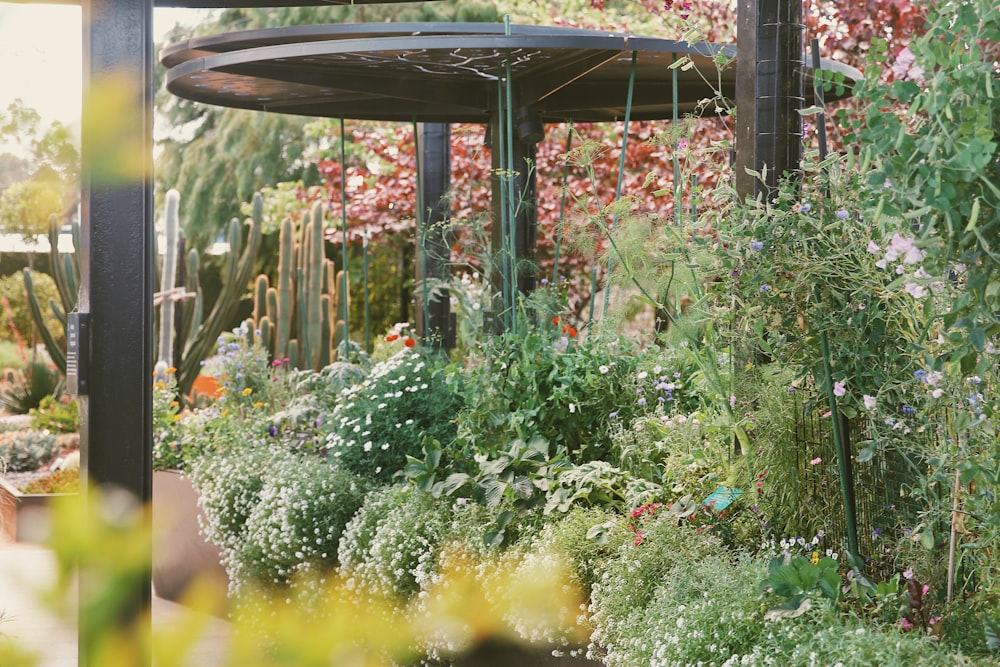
{"x": 117, "y": 264}
{"x": 769, "y": 92}
{"x": 433, "y": 312}
{"x": 514, "y": 247}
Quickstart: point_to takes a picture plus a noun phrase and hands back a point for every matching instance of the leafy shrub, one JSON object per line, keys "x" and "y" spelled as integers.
{"x": 315, "y": 396}
{"x": 304, "y": 504}
{"x": 704, "y": 611}
{"x": 39, "y": 381}
{"x": 390, "y": 546}
{"x": 25, "y": 451}
{"x": 274, "y": 512}
{"x": 60, "y": 481}
{"x": 573, "y": 537}
{"x": 229, "y": 485}
{"x": 539, "y": 384}
{"x": 628, "y": 583}
{"x": 379, "y": 422}
{"x": 58, "y": 415}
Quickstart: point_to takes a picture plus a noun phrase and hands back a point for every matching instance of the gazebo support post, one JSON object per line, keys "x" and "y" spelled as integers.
{"x": 115, "y": 301}
{"x": 523, "y": 219}
{"x": 433, "y": 266}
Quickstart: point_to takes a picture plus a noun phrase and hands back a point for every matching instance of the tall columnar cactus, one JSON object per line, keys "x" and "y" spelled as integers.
{"x": 198, "y": 333}
{"x": 299, "y": 318}
{"x": 168, "y": 278}
{"x": 66, "y": 274}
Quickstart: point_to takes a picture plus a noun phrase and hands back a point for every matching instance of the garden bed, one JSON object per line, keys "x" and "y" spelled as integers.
{"x": 23, "y": 516}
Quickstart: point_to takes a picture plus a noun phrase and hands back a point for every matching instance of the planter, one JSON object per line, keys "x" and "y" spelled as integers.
{"x": 182, "y": 554}
{"x": 24, "y": 517}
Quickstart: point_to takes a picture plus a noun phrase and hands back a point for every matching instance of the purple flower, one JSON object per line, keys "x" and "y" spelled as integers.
{"x": 272, "y": 430}
{"x": 756, "y": 245}
{"x": 765, "y": 288}
{"x": 642, "y": 401}
{"x": 805, "y": 208}
{"x": 842, "y": 214}
{"x": 907, "y": 410}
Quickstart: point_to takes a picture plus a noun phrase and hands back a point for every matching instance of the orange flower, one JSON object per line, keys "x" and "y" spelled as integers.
{"x": 569, "y": 331}
{"x": 391, "y": 337}
{"x": 409, "y": 342}
{"x": 555, "y": 320}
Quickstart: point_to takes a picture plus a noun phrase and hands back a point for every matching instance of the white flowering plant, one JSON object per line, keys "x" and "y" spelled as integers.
{"x": 377, "y": 423}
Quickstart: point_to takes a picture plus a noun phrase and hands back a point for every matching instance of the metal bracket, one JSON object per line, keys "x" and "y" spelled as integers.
{"x": 77, "y": 353}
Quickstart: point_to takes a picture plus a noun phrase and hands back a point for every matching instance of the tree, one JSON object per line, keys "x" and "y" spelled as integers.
{"x": 44, "y": 179}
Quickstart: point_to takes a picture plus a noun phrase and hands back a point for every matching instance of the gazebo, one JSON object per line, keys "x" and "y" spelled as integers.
{"x": 110, "y": 335}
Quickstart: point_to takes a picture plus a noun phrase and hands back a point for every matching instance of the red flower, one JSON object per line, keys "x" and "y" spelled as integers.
{"x": 569, "y": 331}
{"x": 409, "y": 342}
{"x": 555, "y": 320}
{"x": 391, "y": 337}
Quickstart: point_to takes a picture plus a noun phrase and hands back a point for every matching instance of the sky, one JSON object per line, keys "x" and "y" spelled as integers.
{"x": 41, "y": 60}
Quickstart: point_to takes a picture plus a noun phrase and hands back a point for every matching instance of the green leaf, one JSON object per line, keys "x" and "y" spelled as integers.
{"x": 793, "y": 608}
{"x": 867, "y": 453}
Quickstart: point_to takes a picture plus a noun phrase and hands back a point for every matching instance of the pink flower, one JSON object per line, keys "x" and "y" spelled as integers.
{"x": 839, "y": 389}
{"x": 869, "y": 402}
{"x": 816, "y": 461}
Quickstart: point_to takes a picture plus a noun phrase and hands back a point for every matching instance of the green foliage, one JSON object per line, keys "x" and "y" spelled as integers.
{"x": 25, "y": 207}
{"x": 59, "y": 481}
{"x": 404, "y": 401}
{"x": 571, "y": 536}
{"x": 935, "y": 160}
{"x": 27, "y": 392}
{"x": 24, "y": 451}
{"x": 17, "y": 321}
{"x": 302, "y": 509}
{"x": 57, "y": 415}
{"x": 630, "y": 580}
{"x": 548, "y": 385}
{"x": 390, "y": 547}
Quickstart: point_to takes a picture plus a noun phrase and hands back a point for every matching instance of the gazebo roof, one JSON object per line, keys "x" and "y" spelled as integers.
{"x": 449, "y": 72}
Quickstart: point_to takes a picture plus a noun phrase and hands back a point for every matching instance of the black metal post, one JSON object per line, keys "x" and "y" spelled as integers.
{"x": 746, "y": 93}
{"x": 524, "y": 218}
{"x": 780, "y": 96}
{"x": 117, "y": 269}
{"x": 433, "y": 312}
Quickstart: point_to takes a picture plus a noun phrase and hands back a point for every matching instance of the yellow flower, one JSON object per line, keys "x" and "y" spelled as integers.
{"x": 174, "y": 404}
{"x": 815, "y": 558}
{"x": 170, "y": 371}
{"x": 258, "y": 404}
{"x": 159, "y": 385}
{"x": 247, "y": 391}
{"x": 177, "y": 418}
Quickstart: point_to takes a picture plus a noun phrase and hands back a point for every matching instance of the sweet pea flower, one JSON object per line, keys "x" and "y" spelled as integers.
{"x": 869, "y": 402}
{"x": 839, "y": 389}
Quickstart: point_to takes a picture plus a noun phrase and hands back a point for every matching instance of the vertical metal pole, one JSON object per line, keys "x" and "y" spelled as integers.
{"x": 117, "y": 274}
{"x": 433, "y": 247}
{"x": 779, "y": 97}
{"x": 746, "y": 92}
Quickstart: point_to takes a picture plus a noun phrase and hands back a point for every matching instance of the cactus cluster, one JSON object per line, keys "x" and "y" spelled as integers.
{"x": 194, "y": 338}
{"x": 304, "y": 317}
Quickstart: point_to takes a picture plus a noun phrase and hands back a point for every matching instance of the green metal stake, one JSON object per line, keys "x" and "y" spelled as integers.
{"x": 562, "y": 204}
{"x": 511, "y": 195}
{"x": 364, "y": 270}
{"x": 621, "y": 175}
{"x": 843, "y": 455}
{"x": 421, "y": 232}
{"x": 343, "y": 227}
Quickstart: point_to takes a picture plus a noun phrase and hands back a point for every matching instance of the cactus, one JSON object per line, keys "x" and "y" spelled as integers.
{"x": 304, "y": 312}
{"x": 168, "y": 278}
{"x": 199, "y": 333}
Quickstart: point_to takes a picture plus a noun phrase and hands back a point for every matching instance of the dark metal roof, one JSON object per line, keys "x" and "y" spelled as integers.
{"x": 448, "y": 72}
